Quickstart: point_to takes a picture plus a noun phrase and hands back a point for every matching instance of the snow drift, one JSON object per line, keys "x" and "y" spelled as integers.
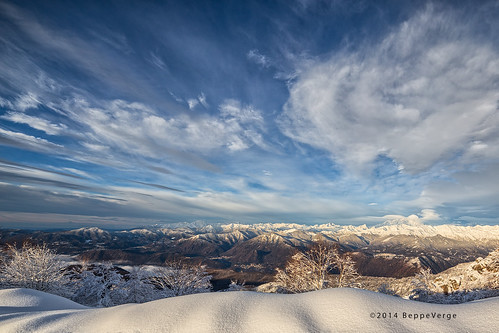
{"x": 330, "y": 310}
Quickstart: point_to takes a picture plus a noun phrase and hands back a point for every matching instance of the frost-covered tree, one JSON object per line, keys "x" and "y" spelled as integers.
{"x": 309, "y": 270}
{"x": 299, "y": 275}
{"x": 100, "y": 286}
{"x": 348, "y": 275}
{"x": 424, "y": 286}
{"x": 138, "y": 286}
{"x": 177, "y": 278}
{"x": 35, "y": 267}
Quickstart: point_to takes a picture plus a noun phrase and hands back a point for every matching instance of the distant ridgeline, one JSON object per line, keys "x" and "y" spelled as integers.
{"x": 254, "y": 251}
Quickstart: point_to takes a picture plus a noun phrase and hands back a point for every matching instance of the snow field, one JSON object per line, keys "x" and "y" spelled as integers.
{"x": 330, "y": 310}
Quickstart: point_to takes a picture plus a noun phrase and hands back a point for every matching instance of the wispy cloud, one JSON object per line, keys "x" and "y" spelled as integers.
{"x": 161, "y": 187}
{"x": 21, "y": 140}
{"x": 119, "y": 128}
{"x": 35, "y": 122}
{"x": 39, "y": 178}
{"x": 200, "y": 100}
{"x": 22, "y": 102}
{"x": 244, "y": 114}
{"x": 157, "y": 61}
{"x": 20, "y": 166}
{"x": 106, "y": 61}
{"x": 419, "y": 96}
{"x": 192, "y": 103}
{"x": 258, "y": 58}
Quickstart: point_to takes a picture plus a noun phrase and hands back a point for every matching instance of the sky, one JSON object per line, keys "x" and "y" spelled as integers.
{"x": 128, "y": 113}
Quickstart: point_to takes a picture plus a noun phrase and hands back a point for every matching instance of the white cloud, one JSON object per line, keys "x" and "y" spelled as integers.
{"x": 226, "y": 204}
{"x": 18, "y": 139}
{"x": 27, "y": 101}
{"x": 95, "y": 147}
{"x": 5, "y": 103}
{"x": 466, "y": 189}
{"x": 22, "y": 102}
{"x": 429, "y": 215}
{"x": 426, "y": 215}
{"x": 175, "y": 97}
{"x": 79, "y": 172}
{"x": 421, "y": 96}
{"x": 134, "y": 127}
{"x": 192, "y": 103}
{"x": 258, "y": 58}
{"x": 35, "y": 122}
{"x": 157, "y": 61}
{"x": 231, "y": 108}
{"x": 202, "y": 100}
{"x": 100, "y": 57}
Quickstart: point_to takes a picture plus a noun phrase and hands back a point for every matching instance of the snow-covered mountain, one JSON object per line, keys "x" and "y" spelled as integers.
{"x": 478, "y": 232}
{"x": 391, "y": 249}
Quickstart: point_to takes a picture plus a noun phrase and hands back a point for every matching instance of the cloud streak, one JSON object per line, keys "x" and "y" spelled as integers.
{"x": 29, "y": 142}
{"x": 35, "y": 122}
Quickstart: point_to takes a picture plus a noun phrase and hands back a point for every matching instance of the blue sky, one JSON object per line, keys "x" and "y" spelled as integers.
{"x": 124, "y": 113}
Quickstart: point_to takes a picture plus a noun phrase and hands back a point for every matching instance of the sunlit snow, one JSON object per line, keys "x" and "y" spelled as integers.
{"x": 330, "y": 310}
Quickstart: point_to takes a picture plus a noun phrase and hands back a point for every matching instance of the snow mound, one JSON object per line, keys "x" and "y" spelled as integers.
{"x": 29, "y": 300}
{"x": 331, "y": 310}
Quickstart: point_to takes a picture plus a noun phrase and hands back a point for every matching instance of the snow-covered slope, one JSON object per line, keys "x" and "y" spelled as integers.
{"x": 331, "y": 310}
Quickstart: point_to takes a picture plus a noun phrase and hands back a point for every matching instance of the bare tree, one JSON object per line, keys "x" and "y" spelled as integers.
{"x": 310, "y": 270}
{"x": 177, "y": 278}
{"x": 34, "y": 267}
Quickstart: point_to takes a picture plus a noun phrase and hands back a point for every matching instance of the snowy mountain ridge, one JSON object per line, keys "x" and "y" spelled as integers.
{"x": 405, "y": 247}
{"x": 457, "y": 232}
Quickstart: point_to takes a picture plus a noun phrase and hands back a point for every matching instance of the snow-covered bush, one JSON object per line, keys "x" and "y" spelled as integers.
{"x": 177, "y": 278}
{"x": 309, "y": 270}
{"x": 34, "y": 267}
{"x": 235, "y": 286}
{"x": 385, "y": 288}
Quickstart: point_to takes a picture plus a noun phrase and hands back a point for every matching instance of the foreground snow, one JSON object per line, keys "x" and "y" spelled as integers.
{"x": 331, "y": 310}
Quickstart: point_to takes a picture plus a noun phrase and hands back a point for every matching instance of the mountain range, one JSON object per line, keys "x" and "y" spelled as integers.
{"x": 252, "y": 251}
